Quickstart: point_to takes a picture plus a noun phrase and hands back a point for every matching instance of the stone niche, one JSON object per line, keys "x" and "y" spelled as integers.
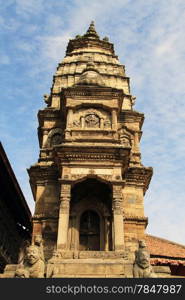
{"x": 91, "y": 119}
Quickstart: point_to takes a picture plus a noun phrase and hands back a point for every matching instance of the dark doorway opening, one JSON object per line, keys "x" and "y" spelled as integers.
{"x": 89, "y": 231}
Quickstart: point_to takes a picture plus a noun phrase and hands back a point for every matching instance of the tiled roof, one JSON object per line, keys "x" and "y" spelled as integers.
{"x": 159, "y": 247}
{"x": 165, "y": 261}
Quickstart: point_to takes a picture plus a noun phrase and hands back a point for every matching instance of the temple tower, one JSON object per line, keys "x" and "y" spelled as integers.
{"x": 89, "y": 182}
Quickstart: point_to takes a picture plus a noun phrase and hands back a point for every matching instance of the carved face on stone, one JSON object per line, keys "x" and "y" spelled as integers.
{"x": 38, "y": 239}
{"x": 32, "y": 254}
{"x": 142, "y": 244}
{"x": 143, "y": 259}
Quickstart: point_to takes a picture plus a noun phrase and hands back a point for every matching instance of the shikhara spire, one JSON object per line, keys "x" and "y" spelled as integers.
{"x": 89, "y": 164}
{"x": 91, "y": 32}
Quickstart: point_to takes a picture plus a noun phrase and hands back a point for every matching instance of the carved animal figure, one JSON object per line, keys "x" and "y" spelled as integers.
{"x": 142, "y": 267}
{"x": 33, "y": 264}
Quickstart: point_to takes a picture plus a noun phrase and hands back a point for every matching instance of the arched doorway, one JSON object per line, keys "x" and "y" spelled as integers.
{"x": 89, "y": 235}
{"x": 90, "y": 224}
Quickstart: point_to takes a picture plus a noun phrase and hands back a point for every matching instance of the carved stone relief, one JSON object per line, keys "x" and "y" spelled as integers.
{"x": 125, "y": 137}
{"x": 117, "y": 200}
{"x": 54, "y": 137}
{"x": 91, "y": 118}
{"x": 92, "y": 121}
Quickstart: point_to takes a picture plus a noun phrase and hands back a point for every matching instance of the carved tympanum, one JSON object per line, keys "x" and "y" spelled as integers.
{"x": 92, "y": 121}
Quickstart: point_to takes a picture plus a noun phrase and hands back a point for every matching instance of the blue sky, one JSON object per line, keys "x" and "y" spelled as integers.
{"x": 149, "y": 40}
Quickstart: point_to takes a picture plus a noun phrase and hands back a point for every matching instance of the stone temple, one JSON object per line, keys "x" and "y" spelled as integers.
{"x": 89, "y": 182}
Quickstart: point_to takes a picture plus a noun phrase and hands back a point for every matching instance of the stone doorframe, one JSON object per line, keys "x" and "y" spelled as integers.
{"x": 64, "y": 212}
{"x": 74, "y": 227}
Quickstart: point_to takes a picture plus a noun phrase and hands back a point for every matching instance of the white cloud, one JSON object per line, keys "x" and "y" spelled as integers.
{"x": 27, "y": 8}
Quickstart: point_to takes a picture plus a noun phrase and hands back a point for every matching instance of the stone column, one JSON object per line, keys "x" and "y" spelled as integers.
{"x": 69, "y": 118}
{"x": 118, "y": 218}
{"x": 136, "y": 141}
{"x": 63, "y": 222}
{"x": 82, "y": 122}
{"x": 114, "y": 119}
{"x": 45, "y": 136}
{"x": 107, "y": 232}
{"x": 101, "y": 123}
{"x": 73, "y": 221}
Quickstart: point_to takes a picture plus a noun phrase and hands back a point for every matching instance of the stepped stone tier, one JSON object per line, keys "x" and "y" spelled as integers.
{"x": 89, "y": 182}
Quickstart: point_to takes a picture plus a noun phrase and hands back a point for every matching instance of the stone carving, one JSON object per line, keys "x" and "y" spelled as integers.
{"x": 133, "y": 100}
{"x": 125, "y": 136}
{"x": 92, "y": 121}
{"x": 38, "y": 241}
{"x": 124, "y": 140}
{"x": 51, "y": 264}
{"x": 117, "y": 199}
{"x": 33, "y": 264}
{"x": 142, "y": 267}
{"x": 102, "y": 254}
{"x": 106, "y": 39}
{"x": 64, "y": 206}
{"x": 76, "y": 123}
{"x": 117, "y": 206}
{"x": 107, "y": 124}
{"x": 56, "y": 139}
{"x": 47, "y": 99}
{"x": 21, "y": 273}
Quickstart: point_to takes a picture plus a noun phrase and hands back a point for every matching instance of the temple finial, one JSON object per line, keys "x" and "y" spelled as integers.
{"x": 91, "y": 32}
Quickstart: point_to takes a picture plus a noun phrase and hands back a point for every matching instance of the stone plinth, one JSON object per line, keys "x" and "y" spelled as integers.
{"x": 95, "y": 267}
{"x": 87, "y": 264}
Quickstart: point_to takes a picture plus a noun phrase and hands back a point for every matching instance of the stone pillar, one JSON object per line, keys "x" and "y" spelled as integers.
{"x": 69, "y": 118}
{"x": 101, "y": 123}
{"x": 63, "y": 222}
{"x": 82, "y": 122}
{"x": 114, "y": 119}
{"x": 73, "y": 221}
{"x": 136, "y": 141}
{"x": 107, "y": 232}
{"x": 118, "y": 218}
{"x": 45, "y": 136}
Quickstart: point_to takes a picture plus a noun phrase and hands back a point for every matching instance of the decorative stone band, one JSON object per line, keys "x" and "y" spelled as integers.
{"x": 65, "y": 196}
{"x": 139, "y": 176}
{"x": 66, "y": 254}
{"x": 117, "y": 206}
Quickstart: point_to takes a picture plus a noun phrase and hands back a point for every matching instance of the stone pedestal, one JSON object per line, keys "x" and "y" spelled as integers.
{"x": 87, "y": 264}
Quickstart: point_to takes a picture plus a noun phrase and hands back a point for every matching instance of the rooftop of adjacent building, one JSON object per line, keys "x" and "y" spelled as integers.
{"x": 163, "y": 251}
{"x": 15, "y": 199}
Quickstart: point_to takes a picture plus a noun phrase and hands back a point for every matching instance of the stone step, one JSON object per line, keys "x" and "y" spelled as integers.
{"x": 88, "y": 267}
{"x": 89, "y": 276}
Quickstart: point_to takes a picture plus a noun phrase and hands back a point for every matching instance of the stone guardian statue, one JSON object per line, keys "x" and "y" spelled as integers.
{"x": 142, "y": 267}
